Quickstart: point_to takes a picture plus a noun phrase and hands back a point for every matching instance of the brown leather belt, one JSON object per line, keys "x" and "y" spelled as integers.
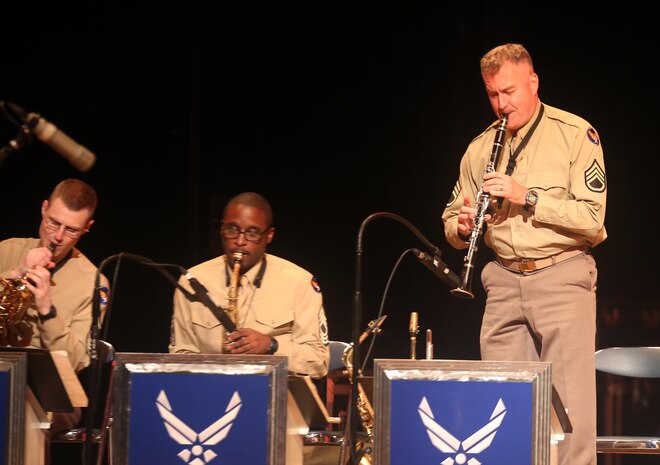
{"x": 530, "y": 264}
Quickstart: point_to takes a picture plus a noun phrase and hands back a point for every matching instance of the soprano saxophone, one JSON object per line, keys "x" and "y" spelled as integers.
{"x": 483, "y": 199}
{"x": 232, "y": 294}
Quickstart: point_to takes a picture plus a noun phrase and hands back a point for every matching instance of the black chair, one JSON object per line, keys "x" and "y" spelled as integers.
{"x": 636, "y": 362}
{"x": 100, "y": 403}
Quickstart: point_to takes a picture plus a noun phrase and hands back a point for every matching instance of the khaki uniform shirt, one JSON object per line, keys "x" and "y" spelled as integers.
{"x": 287, "y": 306}
{"x": 72, "y": 291}
{"x": 563, "y": 163}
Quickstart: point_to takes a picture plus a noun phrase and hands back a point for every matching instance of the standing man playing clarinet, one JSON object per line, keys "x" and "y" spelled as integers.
{"x": 547, "y": 212}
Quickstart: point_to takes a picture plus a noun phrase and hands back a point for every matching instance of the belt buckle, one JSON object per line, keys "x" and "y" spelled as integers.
{"x": 527, "y": 264}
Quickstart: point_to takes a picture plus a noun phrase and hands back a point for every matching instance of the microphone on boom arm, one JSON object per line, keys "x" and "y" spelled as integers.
{"x": 437, "y": 267}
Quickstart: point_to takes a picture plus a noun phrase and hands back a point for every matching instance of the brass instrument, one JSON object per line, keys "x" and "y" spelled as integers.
{"x": 15, "y": 299}
{"x": 232, "y": 294}
{"x": 413, "y": 329}
{"x": 483, "y": 200}
{"x": 429, "y": 344}
{"x": 365, "y": 410}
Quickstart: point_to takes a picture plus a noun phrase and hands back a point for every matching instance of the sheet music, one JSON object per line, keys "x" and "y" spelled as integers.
{"x": 69, "y": 379}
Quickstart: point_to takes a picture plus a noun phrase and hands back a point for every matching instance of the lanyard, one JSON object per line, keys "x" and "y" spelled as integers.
{"x": 512, "y": 159}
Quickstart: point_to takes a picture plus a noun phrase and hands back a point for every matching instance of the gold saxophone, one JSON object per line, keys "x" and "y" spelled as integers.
{"x": 232, "y": 305}
{"x": 15, "y": 299}
{"x": 364, "y": 408}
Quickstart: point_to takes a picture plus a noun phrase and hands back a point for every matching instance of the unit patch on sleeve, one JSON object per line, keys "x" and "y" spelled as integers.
{"x": 593, "y": 136}
{"x": 594, "y": 178}
{"x": 103, "y": 295}
{"x": 454, "y": 193}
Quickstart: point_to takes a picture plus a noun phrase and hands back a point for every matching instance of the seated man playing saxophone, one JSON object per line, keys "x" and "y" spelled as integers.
{"x": 60, "y": 280}
{"x": 276, "y": 305}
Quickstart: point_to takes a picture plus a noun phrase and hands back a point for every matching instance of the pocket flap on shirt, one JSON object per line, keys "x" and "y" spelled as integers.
{"x": 202, "y": 316}
{"x": 274, "y": 319}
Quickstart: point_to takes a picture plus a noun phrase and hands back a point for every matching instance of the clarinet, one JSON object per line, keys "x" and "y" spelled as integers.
{"x": 483, "y": 199}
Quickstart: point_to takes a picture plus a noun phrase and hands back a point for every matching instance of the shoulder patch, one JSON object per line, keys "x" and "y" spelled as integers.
{"x": 593, "y": 136}
{"x": 103, "y": 295}
{"x": 315, "y": 284}
{"x": 454, "y": 193}
{"x": 323, "y": 327}
{"x": 594, "y": 178}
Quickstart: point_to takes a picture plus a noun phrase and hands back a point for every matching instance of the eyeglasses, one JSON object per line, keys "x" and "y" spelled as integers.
{"x": 251, "y": 235}
{"x": 53, "y": 225}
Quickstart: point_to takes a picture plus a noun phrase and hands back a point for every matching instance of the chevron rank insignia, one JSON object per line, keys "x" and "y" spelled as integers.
{"x": 323, "y": 328}
{"x": 454, "y": 193}
{"x": 594, "y": 178}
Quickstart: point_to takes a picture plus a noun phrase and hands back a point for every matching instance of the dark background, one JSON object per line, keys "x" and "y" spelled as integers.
{"x": 333, "y": 111}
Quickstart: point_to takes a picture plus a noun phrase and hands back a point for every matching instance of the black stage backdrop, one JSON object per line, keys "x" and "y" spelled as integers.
{"x": 333, "y": 111}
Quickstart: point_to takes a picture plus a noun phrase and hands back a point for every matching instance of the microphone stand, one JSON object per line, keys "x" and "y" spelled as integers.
{"x": 94, "y": 371}
{"x": 95, "y": 365}
{"x": 23, "y": 138}
{"x": 357, "y": 321}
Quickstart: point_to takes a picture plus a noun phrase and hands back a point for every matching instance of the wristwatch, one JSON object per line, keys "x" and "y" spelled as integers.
{"x": 531, "y": 199}
{"x": 274, "y": 345}
{"x": 51, "y": 314}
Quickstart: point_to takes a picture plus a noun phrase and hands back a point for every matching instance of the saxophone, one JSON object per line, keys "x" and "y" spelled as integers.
{"x": 483, "y": 199}
{"x": 232, "y": 306}
{"x": 364, "y": 408}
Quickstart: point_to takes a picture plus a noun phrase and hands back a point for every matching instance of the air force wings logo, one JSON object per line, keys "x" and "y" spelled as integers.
{"x": 198, "y": 453}
{"x": 445, "y": 442}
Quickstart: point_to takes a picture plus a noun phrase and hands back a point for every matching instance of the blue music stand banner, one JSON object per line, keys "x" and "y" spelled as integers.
{"x": 13, "y": 381}
{"x": 462, "y": 412}
{"x": 197, "y": 410}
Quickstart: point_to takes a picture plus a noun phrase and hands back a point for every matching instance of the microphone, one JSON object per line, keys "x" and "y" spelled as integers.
{"x": 80, "y": 157}
{"x": 437, "y": 267}
{"x": 202, "y": 295}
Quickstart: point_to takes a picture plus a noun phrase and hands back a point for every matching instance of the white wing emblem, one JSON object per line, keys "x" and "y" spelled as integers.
{"x": 184, "y": 435}
{"x": 445, "y": 442}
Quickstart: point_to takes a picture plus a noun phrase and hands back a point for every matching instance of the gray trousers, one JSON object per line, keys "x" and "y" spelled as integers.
{"x": 550, "y": 315}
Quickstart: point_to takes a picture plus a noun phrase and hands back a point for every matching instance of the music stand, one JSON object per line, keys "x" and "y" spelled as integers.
{"x": 309, "y": 402}
{"x": 12, "y": 394}
{"x": 47, "y": 380}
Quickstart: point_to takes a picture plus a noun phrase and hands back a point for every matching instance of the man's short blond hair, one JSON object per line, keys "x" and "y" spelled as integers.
{"x": 494, "y": 59}
{"x": 76, "y": 195}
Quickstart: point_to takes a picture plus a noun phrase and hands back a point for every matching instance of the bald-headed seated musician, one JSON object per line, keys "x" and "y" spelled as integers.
{"x": 277, "y": 306}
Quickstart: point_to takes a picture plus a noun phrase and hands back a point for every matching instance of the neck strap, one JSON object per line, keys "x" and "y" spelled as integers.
{"x": 61, "y": 263}
{"x": 512, "y": 159}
